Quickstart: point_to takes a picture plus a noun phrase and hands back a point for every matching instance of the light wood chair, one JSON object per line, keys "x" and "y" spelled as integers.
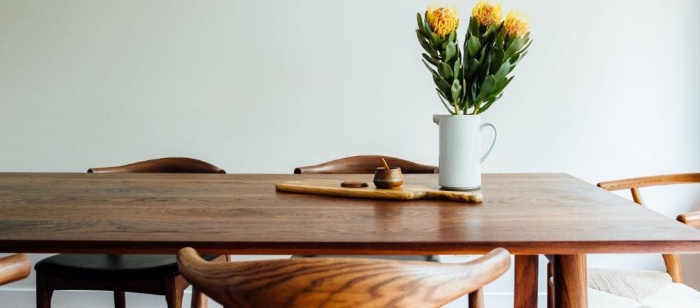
{"x": 341, "y": 282}
{"x": 364, "y": 164}
{"x": 613, "y": 287}
{"x": 14, "y": 267}
{"x": 150, "y": 274}
{"x": 367, "y": 164}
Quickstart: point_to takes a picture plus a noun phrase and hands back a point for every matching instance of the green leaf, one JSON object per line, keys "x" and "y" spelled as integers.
{"x": 457, "y": 69}
{"x": 496, "y": 60}
{"x": 456, "y": 90}
{"x": 502, "y": 85}
{"x": 488, "y": 104}
{"x": 453, "y": 36}
{"x": 514, "y": 60}
{"x": 425, "y": 44}
{"x": 473, "y": 27}
{"x": 473, "y": 66}
{"x": 473, "y": 45}
{"x": 430, "y": 59}
{"x": 486, "y": 88}
{"x": 514, "y": 46}
{"x": 430, "y": 68}
{"x": 503, "y": 71}
{"x": 500, "y": 37}
{"x": 442, "y": 85}
{"x": 445, "y": 70}
{"x": 491, "y": 30}
{"x": 421, "y": 27}
{"x": 442, "y": 97}
{"x": 450, "y": 50}
{"x": 435, "y": 39}
{"x": 475, "y": 87}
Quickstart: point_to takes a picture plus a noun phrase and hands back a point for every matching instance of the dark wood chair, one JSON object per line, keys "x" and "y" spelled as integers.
{"x": 14, "y": 267}
{"x": 150, "y": 274}
{"x": 615, "y": 287}
{"x": 341, "y": 282}
{"x": 366, "y": 164}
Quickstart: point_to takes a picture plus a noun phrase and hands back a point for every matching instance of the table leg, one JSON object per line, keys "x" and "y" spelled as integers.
{"x": 526, "y": 281}
{"x": 570, "y": 285}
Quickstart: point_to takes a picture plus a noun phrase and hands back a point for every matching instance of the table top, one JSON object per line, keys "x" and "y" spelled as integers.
{"x": 244, "y": 214}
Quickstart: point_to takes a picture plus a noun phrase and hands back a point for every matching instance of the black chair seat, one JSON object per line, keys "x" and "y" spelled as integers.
{"x": 101, "y": 267}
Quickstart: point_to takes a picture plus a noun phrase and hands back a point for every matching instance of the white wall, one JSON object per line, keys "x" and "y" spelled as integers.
{"x": 608, "y": 90}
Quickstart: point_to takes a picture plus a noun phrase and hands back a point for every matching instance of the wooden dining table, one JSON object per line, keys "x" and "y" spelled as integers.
{"x": 528, "y": 214}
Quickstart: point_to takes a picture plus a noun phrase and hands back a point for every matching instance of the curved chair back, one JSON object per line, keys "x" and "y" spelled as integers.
{"x": 163, "y": 165}
{"x": 336, "y": 282}
{"x": 364, "y": 164}
{"x": 14, "y": 267}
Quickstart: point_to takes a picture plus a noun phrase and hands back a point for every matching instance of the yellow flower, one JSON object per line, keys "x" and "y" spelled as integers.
{"x": 516, "y": 24}
{"x": 487, "y": 13}
{"x": 442, "y": 20}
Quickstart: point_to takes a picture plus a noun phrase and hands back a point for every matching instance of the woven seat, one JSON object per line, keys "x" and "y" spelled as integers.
{"x": 631, "y": 284}
{"x": 635, "y": 288}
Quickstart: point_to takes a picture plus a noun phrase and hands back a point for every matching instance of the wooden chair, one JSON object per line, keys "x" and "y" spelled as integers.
{"x": 14, "y": 267}
{"x": 366, "y": 164}
{"x": 150, "y": 274}
{"x": 163, "y": 165}
{"x": 341, "y": 282}
{"x": 611, "y": 287}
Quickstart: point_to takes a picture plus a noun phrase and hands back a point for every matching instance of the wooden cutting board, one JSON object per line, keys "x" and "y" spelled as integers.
{"x": 405, "y": 192}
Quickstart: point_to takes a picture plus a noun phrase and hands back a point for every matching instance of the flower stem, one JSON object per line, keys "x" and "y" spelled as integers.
{"x": 476, "y": 108}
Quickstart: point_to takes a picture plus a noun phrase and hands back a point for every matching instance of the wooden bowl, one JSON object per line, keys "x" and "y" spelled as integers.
{"x": 388, "y": 178}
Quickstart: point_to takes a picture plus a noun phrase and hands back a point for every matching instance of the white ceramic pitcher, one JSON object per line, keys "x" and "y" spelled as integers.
{"x": 460, "y": 150}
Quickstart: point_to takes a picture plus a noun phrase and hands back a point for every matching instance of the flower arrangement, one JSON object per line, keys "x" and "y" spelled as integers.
{"x": 471, "y": 78}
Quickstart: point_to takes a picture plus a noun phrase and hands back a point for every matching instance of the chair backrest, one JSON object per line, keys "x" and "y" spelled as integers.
{"x": 14, "y": 267}
{"x": 365, "y": 164}
{"x": 163, "y": 165}
{"x": 335, "y": 282}
{"x": 672, "y": 262}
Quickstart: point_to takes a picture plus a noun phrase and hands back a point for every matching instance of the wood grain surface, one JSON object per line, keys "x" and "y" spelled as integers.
{"x": 527, "y": 214}
{"x": 333, "y": 188}
{"x": 340, "y": 282}
{"x": 244, "y": 214}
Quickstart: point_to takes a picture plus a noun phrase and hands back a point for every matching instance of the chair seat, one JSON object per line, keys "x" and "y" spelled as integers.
{"x": 633, "y": 284}
{"x": 634, "y": 288}
{"x": 102, "y": 267}
{"x": 673, "y": 295}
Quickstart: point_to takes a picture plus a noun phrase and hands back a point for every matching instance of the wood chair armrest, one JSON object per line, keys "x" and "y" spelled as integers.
{"x": 656, "y": 180}
{"x": 692, "y": 219}
{"x": 14, "y": 267}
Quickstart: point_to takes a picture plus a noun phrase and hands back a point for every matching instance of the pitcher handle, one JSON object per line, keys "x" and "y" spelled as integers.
{"x": 495, "y": 137}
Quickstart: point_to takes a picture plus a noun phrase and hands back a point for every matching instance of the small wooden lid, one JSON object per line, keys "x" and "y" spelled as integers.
{"x": 354, "y": 184}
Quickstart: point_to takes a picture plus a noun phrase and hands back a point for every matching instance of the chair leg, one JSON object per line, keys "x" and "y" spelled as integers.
{"x": 550, "y": 285}
{"x": 199, "y": 299}
{"x": 43, "y": 293}
{"x": 119, "y": 299}
{"x": 174, "y": 291}
{"x": 476, "y": 299}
